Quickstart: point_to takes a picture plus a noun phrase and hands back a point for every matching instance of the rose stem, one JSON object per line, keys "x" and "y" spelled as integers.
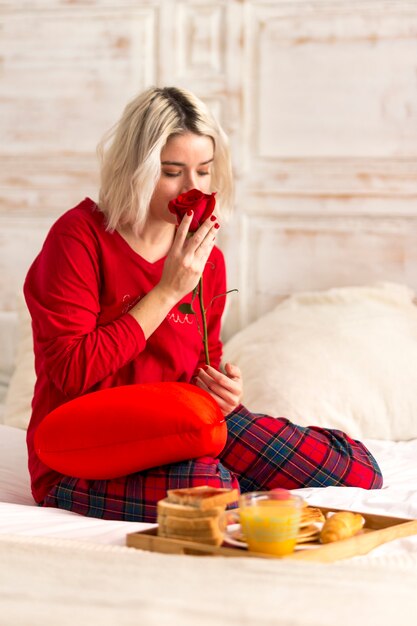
{"x": 203, "y": 315}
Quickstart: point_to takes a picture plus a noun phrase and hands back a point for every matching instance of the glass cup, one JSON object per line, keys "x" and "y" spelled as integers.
{"x": 269, "y": 521}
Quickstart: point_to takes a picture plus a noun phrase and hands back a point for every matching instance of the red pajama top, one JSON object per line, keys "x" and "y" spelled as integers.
{"x": 79, "y": 290}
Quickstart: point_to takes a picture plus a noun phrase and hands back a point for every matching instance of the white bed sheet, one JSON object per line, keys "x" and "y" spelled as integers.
{"x": 20, "y": 516}
{"x": 45, "y": 582}
{"x": 34, "y": 521}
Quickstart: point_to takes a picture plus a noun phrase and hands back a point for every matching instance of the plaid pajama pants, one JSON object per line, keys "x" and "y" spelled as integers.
{"x": 261, "y": 453}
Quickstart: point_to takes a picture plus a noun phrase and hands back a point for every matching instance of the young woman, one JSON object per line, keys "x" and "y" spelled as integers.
{"x": 104, "y": 293}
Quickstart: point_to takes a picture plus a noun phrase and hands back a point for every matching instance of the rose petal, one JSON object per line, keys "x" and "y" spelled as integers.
{"x": 202, "y": 204}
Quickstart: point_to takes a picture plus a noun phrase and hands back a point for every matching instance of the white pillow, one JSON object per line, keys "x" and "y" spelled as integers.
{"x": 343, "y": 358}
{"x": 14, "y": 473}
{"x": 17, "y": 406}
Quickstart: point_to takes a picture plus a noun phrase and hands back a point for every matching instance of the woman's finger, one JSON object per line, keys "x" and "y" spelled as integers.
{"x": 225, "y": 407}
{"x": 205, "y": 233}
{"x": 229, "y": 395}
{"x": 210, "y": 374}
{"x": 204, "y": 250}
{"x": 232, "y": 371}
{"x": 183, "y": 229}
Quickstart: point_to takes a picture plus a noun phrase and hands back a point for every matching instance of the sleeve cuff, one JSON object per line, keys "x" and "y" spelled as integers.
{"x": 136, "y": 332}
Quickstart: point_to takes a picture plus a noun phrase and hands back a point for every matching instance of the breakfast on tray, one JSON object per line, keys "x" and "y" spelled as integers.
{"x": 203, "y": 497}
{"x": 193, "y": 521}
{"x": 309, "y": 529}
{"x": 341, "y": 525}
{"x": 193, "y": 514}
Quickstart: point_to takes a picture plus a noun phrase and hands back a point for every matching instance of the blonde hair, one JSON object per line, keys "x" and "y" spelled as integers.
{"x": 130, "y": 153}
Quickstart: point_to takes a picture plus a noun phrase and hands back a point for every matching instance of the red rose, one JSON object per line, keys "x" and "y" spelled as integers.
{"x": 201, "y": 203}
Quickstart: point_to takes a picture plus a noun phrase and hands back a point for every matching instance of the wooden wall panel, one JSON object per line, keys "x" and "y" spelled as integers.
{"x": 323, "y": 57}
{"x": 69, "y": 77}
{"x": 331, "y": 85}
{"x": 298, "y": 254}
{"x": 327, "y": 186}
{"x": 200, "y": 49}
{"x": 68, "y": 69}
{"x": 202, "y": 41}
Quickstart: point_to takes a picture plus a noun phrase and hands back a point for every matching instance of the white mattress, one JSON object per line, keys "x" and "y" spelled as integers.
{"x": 20, "y": 516}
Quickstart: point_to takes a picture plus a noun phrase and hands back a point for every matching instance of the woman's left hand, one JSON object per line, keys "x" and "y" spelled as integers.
{"x": 226, "y": 388}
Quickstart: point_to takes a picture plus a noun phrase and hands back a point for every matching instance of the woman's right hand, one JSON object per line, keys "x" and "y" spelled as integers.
{"x": 183, "y": 267}
{"x": 187, "y": 257}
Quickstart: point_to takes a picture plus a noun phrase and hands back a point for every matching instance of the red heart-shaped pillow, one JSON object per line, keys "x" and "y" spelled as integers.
{"x": 122, "y": 430}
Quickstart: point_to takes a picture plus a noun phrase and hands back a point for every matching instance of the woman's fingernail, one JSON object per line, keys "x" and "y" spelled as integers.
{"x": 213, "y": 218}
{"x": 216, "y": 225}
{"x": 189, "y": 212}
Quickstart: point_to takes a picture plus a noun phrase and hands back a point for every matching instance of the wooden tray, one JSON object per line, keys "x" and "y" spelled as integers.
{"x": 378, "y": 529}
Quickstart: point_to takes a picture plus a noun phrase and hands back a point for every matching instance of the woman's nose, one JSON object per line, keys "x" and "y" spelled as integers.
{"x": 190, "y": 182}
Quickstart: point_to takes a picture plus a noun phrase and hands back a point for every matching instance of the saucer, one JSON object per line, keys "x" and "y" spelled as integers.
{"x": 307, "y": 535}
{"x": 236, "y": 539}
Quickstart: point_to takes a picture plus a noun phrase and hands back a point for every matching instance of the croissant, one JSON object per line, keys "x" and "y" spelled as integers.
{"x": 341, "y": 525}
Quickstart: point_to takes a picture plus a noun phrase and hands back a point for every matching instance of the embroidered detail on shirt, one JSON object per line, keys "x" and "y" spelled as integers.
{"x": 128, "y": 303}
{"x": 179, "y": 318}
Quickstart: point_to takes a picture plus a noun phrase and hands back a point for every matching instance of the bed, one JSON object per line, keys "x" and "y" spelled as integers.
{"x": 344, "y": 358}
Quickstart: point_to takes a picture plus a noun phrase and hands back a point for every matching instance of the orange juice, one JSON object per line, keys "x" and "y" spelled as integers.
{"x": 271, "y": 526}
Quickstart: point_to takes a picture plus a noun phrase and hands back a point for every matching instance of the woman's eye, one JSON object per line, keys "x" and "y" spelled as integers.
{"x": 172, "y": 174}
